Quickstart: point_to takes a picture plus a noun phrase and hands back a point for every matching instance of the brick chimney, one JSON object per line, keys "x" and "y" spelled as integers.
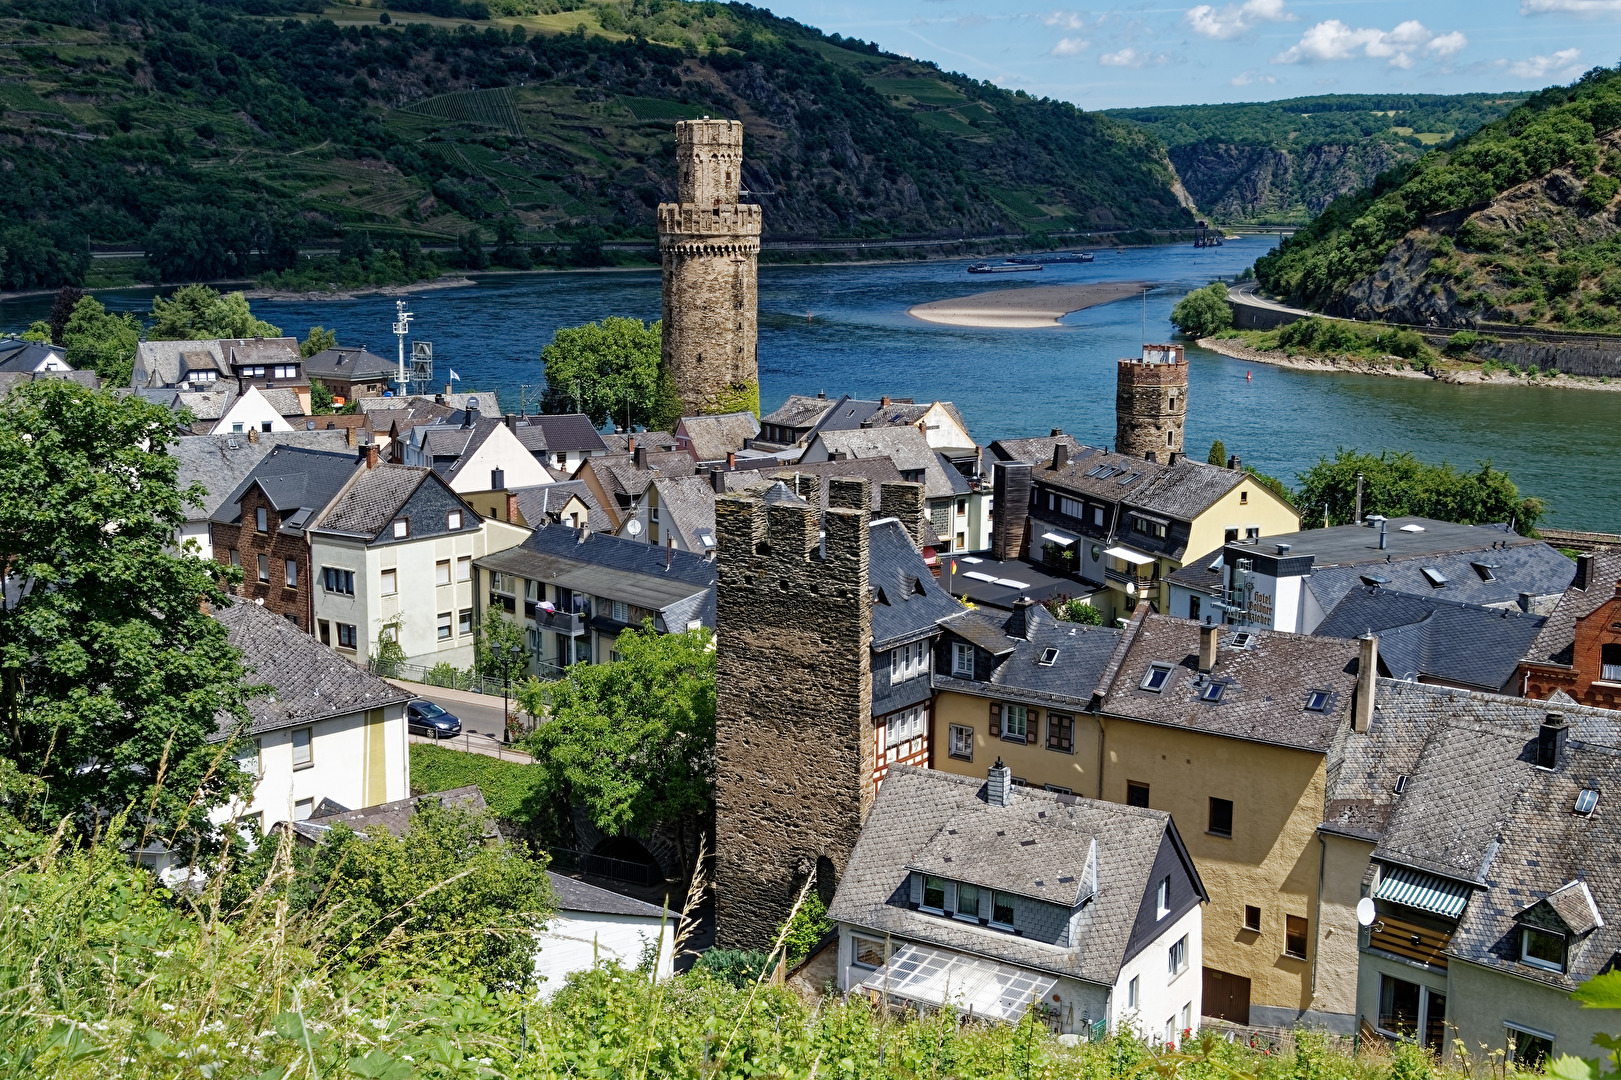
{"x": 512, "y": 508}
{"x": 731, "y": 461}
{"x": 351, "y": 435}
{"x": 1207, "y": 647}
{"x": 1367, "y": 681}
{"x": 253, "y": 434}
{"x": 630, "y": 444}
{"x": 371, "y": 455}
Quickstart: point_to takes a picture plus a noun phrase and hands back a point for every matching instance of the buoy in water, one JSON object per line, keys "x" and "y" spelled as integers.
{"x": 1247, "y": 376}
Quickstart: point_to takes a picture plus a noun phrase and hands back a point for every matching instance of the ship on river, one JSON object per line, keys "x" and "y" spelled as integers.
{"x": 1007, "y": 267}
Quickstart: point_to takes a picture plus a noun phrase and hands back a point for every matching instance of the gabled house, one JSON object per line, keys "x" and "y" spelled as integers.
{"x": 326, "y": 731}
{"x": 957, "y": 510}
{"x": 221, "y": 462}
{"x": 474, "y": 454}
{"x": 620, "y": 481}
{"x": 676, "y": 511}
{"x": 970, "y": 894}
{"x": 262, "y": 525}
{"x": 566, "y": 440}
{"x": 1578, "y": 652}
{"x": 253, "y": 408}
{"x": 593, "y": 925}
{"x": 565, "y": 502}
{"x": 32, "y": 357}
{"x": 350, "y": 373}
{"x": 393, "y": 557}
{"x": 267, "y": 363}
{"x": 709, "y": 439}
{"x": 801, "y": 418}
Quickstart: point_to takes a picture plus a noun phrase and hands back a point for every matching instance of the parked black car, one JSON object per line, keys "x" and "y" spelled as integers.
{"x": 426, "y": 718}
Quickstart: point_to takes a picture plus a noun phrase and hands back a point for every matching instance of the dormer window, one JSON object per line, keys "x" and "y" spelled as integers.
{"x": 402, "y": 528}
{"x": 962, "y": 660}
{"x": 285, "y": 371}
{"x": 1541, "y": 948}
{"x": 934, "y": 894}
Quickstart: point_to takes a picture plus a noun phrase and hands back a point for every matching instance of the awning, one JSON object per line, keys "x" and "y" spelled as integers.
{"x": 1130, "y": 556}
{"x": 968, "y": 984}
{"x": 1423, "y": 892}
{"x": 1058, "y": 538}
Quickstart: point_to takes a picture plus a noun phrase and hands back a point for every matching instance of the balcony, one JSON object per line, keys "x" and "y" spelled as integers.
{"x": 567, "y": 623}
{"x": 1122, "y": 577}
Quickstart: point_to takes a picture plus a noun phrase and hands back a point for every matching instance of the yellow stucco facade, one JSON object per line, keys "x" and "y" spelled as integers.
{"x": 1272, "y": 861}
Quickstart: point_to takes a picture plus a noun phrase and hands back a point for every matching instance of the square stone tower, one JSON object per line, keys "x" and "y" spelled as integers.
{"x": 1151, "y": 404}
{"x": 709, "y": 244}
{"x": 793, "y": 644}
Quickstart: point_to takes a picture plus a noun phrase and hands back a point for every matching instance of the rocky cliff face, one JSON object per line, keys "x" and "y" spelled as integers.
{"x": 1261, "y": 183}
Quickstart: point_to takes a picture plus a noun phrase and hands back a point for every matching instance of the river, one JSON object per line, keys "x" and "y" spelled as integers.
{"x": 844, "y": 329}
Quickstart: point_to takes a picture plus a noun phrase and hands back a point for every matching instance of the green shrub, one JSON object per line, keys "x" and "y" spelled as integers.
{"x": 1074, "y": 609}
{"x": 514, "y": 790}
{"x": 1203, "y": 312}
{"x": 735, "y": 967}
{"x": 806, "y": 929}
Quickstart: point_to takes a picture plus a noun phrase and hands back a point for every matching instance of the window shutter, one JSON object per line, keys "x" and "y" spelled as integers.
{"x": 996, "y": 719}
{"x": 1032, "y": 727}
{"x": 917, "y": 889}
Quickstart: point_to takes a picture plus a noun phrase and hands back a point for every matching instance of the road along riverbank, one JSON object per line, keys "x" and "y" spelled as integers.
{"x": 1447, "y": 371}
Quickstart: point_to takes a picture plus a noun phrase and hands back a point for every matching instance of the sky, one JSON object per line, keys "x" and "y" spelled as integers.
{"x": 1121, "y": 54}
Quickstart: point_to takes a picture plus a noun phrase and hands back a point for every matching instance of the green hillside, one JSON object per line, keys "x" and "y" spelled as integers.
{"x": 1515, "y": 223}
{"x": 219, "y": 136}
{"x": 1284, "y": 161}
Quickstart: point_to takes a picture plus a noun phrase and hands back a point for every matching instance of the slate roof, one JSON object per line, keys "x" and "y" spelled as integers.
{"x": 1182, "y": 491}
{"x": 624, "y": 482}
{"x": 655, "y": 441}
{"x": 1027, "y": 579}
{"x": 569, "y": 432}
{"x": 396, "y": 816}
{"x": 308, "y": 681}
{"x": 284, "y": 402}
{"x": 374, "y": 500}
{"x": 349, "y": 364}
{"x": 910, "y": 821}
{"x": 292, "y": 478}
{"x": 25, "y": 356}
{"x": 1556, "y": 643}
{"x": 210, "y": 405}
{"x": 1363, "y": 767}
{"x": 688, "y": 503}
{"x": 1037, "y": 450}
{"x": 801, "y": 411}
{"x": 1070, "y": 679}
{"x": 1533, "y": 568}
{"x": 909, "y": 601}
{"x": 540, "y": 504}
{"x": 1268, "y": 682}
{"x": 575, "y": 895}
{"x": 212, "y": 460}
{"x": 163, "y": 365}
{"x": 878, "y": 470}
{"x": 1428, "y": 637}
{"x": 907, "y": 448}
{"x": 711, "y": 438}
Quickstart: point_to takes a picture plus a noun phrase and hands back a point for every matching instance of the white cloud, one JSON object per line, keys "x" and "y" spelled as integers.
{"x": 1334, "y": 40}
{"x": 1065, "y": 20}
{"x": 1229, "y": 22}
{"x": 1131, "y": 57}
{"x": 1563, "y": 62}
{"x": 1570, "y": 7}
{"x": 1245, "y": 78}
{"x": 1070, "y": 46}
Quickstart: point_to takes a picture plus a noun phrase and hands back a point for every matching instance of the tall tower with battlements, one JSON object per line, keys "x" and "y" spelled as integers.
{"x": 710, "y": 247}
{"x": 1151, "y": 404}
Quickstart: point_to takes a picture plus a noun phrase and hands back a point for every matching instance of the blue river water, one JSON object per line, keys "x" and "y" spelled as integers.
{"x": 844, "y": 329}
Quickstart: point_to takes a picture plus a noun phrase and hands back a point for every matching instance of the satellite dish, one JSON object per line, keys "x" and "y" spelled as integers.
{"x": 1366, "y": 914}
{"x": 634, "y": 527}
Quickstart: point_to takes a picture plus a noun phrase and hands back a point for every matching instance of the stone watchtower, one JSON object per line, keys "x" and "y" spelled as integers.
{"x": 710, "y": 247}
{"x": 1151, "y": 403}
{"x": 793, "y": 658}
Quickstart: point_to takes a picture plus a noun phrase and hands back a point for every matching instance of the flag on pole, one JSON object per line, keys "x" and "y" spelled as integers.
{"x": 454, "y": 377}
{"x": 953, "y": 567}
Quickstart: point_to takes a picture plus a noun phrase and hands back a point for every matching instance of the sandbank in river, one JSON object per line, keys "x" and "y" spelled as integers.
{"x": 1023, "y": 307}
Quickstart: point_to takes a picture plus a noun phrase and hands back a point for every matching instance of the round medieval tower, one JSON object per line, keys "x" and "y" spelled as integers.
{"x": 1151, "y": 403}
{"x": 710, "y": 247}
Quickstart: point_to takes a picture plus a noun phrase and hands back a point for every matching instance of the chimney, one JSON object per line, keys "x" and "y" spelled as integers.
{"x": 352, "y": 436}
{"x": 1018, "y": 624}
{"x": 498, "y": 479}
{"x": 512, "y": 508}
{"x": 1233, "y": 462}
{"x": 731, "y": 461}
{"x": 447, "y": 390}
{"x": 512, "y": 421}
{"x": 999, "y": 785}
{"x": 717, "y": 480}
{"x": 1057, "y": 431}
{"x": 630, "y": 444}
{"x": 669, "y": 549}
{"x": 1010, "y": 508}
{"x": 883, "y": 402}
{"x": 1551, "y": 740}
{"x": 582, "y": 532}
{"x": 467, "y": 418}
{"x": 838, "y": 455}
{"x": 1584, "y": 571}
{"x": 1173, "y": 457}
{"x": 1060, "y": 455}
{"x": 1526, "y": 599}
{"x": 439, "y": 399}
{"x": 253, "y": 434}
{"x": 1207, "y": 647}
{"x": 371, "y": 455}
{"x": 639, "y": 456}
{"x": 822, "y": 395}
{"x": 1367, "y": 679}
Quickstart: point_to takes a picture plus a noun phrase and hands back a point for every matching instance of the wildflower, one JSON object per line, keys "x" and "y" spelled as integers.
{"x": 166, "y": 1007}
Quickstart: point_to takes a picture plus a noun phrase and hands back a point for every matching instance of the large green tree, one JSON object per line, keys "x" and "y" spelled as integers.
{"x": 1203, "y": 312}
{"x": 99, "y": 341}
{"x": 196, "y": 312}
{"x": 632, "y": 741}
{"x": 611, "y": 371}
{"x": 113, "y": 676}
{"x": 1397, "y": 484}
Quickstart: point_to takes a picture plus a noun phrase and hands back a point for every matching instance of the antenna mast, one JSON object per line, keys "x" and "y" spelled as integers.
{"x": 402, "y": 327}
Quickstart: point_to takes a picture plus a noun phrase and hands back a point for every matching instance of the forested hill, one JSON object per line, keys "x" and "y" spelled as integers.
{"x": 1516, "y": 223}
{"x": 219, "y": 135}
{"x": 1284, "y": 161}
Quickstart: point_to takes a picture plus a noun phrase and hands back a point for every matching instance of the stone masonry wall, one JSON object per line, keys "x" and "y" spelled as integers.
{"x": 793, "y": 703}
{"x": 1150, "y": 407}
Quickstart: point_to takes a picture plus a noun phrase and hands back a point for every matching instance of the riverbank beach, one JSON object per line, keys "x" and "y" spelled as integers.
{"x": 1023, "y": 308}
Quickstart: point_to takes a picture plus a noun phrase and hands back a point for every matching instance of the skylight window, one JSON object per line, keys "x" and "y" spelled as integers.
{"x": 1213, "y": 691}
{"x": 1048, "y": 656}
{"x": 1317, "y": 700}
{"x": 1102, "y": 471}
{"x": 1412, "y": 528}
{"x": 1433, "y": 575}
{"x": 1485, "y": 570}
{"x": 1156, "y": 677}
{"x": 1128, "y": 478}
{"x": 1241, "y": 640}
{"x": 1374, "y": 580}
{"x": 1401, "y": 783}
{"x": 1586, "y": 801}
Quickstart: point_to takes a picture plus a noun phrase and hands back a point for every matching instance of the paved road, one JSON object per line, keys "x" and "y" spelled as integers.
{"x": 480, "y": 714}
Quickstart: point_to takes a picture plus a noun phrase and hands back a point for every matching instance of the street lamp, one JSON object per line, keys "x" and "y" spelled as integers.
{"x": 510, "y": 655}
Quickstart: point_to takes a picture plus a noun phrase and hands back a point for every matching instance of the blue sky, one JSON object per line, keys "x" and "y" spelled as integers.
{"x": 1116, "y": 54}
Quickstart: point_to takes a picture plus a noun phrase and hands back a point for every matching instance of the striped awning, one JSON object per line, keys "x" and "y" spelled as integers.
{"x": 1423, "y": 892}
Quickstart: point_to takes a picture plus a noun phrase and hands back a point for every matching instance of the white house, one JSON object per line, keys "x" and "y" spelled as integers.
{"x": 474, "y": 455}
{"x": 327, "y": 731}
{"x": 255, "y": 410}
{"x": 393, "y": 554}
{"x": 995, "y": 900}
{"x": 31, "y": 357}
{"x": 595, "y": 925}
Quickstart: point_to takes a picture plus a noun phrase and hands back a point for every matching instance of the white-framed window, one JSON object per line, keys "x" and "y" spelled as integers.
{"x": 444, "y": 626}
{"x": 249, "y": 761}
{"x": 1542, "y": 948}
{"x": 261, "y": 519}
{"x": 962, "y": 660}
{"x": 402, "y": 528}
{"x": 391, "y": 582}
{"x": 1015, "y": 722}
{"x": 291, "y": 576}
{"x": 1071, "y": 507}
{"x": 453, "y": 520}
{"x": 934, "y": 894}
{"x": 1528, "y": 1049}
{"x": 1162, "y": 899}
{"x": 346, "y": 636}
{"x": 441, "y": 572}
{"x": 962, "y": 742}
{"x": 621, "y": 611}
{"x": 464, "y": 568}
{"x": 1134, "y": 991}
{"x": 285, "y": 371}
{"x": 1155, "y": 678}
{"x": 303, "y": 748}
{"x": 909, "y": 661}
{"x": 302, "y": 809}
{"x": 264, "y": 569}
{"x": 904, "y": 726}
{"x": 866, "y": 952}
{"x": 464, "y": 622}
{"x": 1412, "y": 1011}
{"x": 1176, "y": 957}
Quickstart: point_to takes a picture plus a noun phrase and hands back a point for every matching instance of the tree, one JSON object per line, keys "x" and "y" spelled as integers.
{"x": 500, "y": 649}
{"x": 470, "y": 250}
{"x": 1397, "y": 484}
{"x": 112, "y": 673}
{"x": 611, "y": 371}
{"x": 102, "y": 342}
{"x": 1203, "y": 312}
{"x": 632, "y": 741}
{"x": 1074, "y": 609}
{"x": 320, "y": 398}
{"x": 319, "y": 339}
{"x": 61, "y": 308}
{"x": 196, "y": 312}
{"x": 1217, "y": 455}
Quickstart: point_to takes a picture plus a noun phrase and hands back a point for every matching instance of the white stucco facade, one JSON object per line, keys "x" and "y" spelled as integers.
{"x": 1163, "y": 997}
{"x": 251, "y": 412}
{"x": 577, "y": 940}
{"x": 500, "y": 450}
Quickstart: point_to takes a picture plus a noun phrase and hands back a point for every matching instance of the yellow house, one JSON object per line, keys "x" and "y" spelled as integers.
{"x": 1230, "y": 732}
{"x": 1123, "y": 525}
